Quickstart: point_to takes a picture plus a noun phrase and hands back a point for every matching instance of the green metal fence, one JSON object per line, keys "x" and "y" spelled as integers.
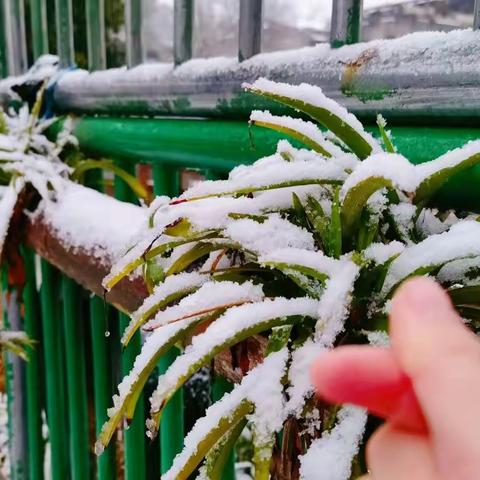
{"x": 77, "y": 362}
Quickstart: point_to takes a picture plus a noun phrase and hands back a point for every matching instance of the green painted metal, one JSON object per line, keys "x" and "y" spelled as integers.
{"x": 38, "y": 21}
{"x": 15, "y": 36}
{"x": 182, "y": 30}
{"x": 133, "y": 28}
{"x": 189, "y": 143}
{"x": 220, "y": 387}
{"x": 346, "y": 22}
{"x": 33, "y": 382}
{"x": 166, "y": 182}
{"x": 3, "y": 43}
{"x": 95, "y": 13}
{"x": 54, "y": 373}
{"x": 102, "y": 381}
{"x": 76, "y": 380}
{"x": 64, "y": 28}
{"x": 135, "y": 434}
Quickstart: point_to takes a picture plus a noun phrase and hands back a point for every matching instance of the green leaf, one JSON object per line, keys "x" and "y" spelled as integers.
{"x": 333, "y": 245}
{"x": 317, "y": 219}
{"x": 368, "y": 229}
{"x": 430, "y": 185}
{"x": 278, "y": 339}
{"x": 465, "y": 295}
{"x": 84, "y": 166}
{"x": 387, "y": 141}
{"x": 355, "y": 200}
{"x": 339, "y": 126}
{"x": 300, "y": 213}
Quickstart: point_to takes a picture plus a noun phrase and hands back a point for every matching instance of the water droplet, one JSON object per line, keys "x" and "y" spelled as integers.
{"x": 107, "y": 333}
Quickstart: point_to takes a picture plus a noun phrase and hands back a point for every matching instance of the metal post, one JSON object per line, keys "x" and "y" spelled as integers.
{"x": 38, "y": 19}
{"x": 33, "y": 371}
{"x": 54, "y": 373}
{"x": 346, "y": 22}
{"x": 476, "y": 15}
{"x": 3, "y": 43}
{"x": 95, "y": 13}
{"x": 182, "y": 30}
{"x": 250, "y": 29}
{"x": 102, "y": 380}
{"x": 15, "y": 380}
{"x": 64, "y": 26}
{"x": 135, "y": 434}
{"x": 16, "y": 45}
{"x": 76, "y": 381}
{"x": 166, "y": 181}
{"x": 133, "y": 27}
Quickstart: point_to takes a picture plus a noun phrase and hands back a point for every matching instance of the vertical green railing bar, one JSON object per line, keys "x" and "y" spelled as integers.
{"x": 102, "y": 381}
{"x": 166, "y": 181}
{"x": 76, "y": 380}
{"x": 135, "y": 434}
{"x": 249, "y": 29}
{"x": 3, "y": 43}
{"x": 33, "y": 385}
{"x": 95, "y": 13}
{"x": 54, "y": 371}
{"x": 133, "y": 28}
{"x": 38, "y": 20}
{"x": 182, "y": 30}
{"x": 346, "y": 22}
{"x": 64, "y": 26}
{"x": 476, "y": 15}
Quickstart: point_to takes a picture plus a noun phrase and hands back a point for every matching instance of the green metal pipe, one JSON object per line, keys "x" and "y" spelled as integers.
{"x": 222, "y": 145}
{"x": 135, "y": 434}
{"x": 64, "y": 26}
{"x": 102, "y": 381}
{"x": 166, "y": 182}
{"x": 133, "y": 29}
{"x": 76, "y": 380}
{"x": 38, "y": 21}
{"x": 3, "y": 43}
{"x": 95, "y": 13}
{"x": 54, "y": 373}
{"x": 33, "y": 382}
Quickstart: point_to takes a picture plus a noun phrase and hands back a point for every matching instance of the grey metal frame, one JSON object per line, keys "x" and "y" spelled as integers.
{"x": 182, "y": 31}
{"x": 476, "y": 15}
{"x": 15, "y": 39}
{"x": 133, "y": 28}
{"x": 249, "y": 29}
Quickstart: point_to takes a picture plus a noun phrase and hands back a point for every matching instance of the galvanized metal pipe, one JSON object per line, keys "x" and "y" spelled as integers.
{"x": 346, "y": 22}
{"x": 64, "y": 26}
{"x": 15, "y": 380}
{"x": 249, "y": 29}
{"x": 182, "y": 30}
{"x": 133, "y": 28}
{"x": 95, "y": 13}
{"x": 38, "y": 20}
{"x": 476, "y": 15}
{"x": 16, "y": 46}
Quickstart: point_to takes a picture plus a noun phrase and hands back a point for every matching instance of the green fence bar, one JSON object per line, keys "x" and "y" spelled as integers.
{"x": 346, "y": 22}
{"x": 102, "y": 381}
{"x": 95, "y": 13}
{"x": 64, "y": 26}
{"x": 3, "y": 43}
{"x": 54, "y": 373}
{"x": 133, "y": 29}
{"x": 249, "y": 29}
{"x": 182, "y": 30}
{"x": 166, "y": 181}
{"x": 38, "y": 20}
{"x": 33, "y": 377}
{"x": 135, "y": 434}
{"x": 76, "y": 380}
{"x": 476, "y": 15}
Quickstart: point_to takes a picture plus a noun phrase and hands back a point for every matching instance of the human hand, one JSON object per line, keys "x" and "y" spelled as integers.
{"x": 426, "y": 387}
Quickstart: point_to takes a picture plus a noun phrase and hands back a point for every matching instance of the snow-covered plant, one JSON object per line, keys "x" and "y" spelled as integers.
{"x": 306, "y": 248}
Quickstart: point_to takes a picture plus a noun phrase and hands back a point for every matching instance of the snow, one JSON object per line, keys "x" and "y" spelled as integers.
{"x": 307, "y": 129}
{"x": 225, "y": 329}
{"x": 457, "y": 271}
{"x": 330, "y": 457}
{"x": 210, "y": 296}
{"x": 111, "y": 223}
{"x": 310, "y": 94}
{"x": 8, "y": 200}
{"x": 380, "y": 253}
{"x": 391, "y": 166}
{"x": 273, "y": 233}
{"x": 261, "y": 387}
{"x": 183, "y": 282}
{"x": 461, "y": 241}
